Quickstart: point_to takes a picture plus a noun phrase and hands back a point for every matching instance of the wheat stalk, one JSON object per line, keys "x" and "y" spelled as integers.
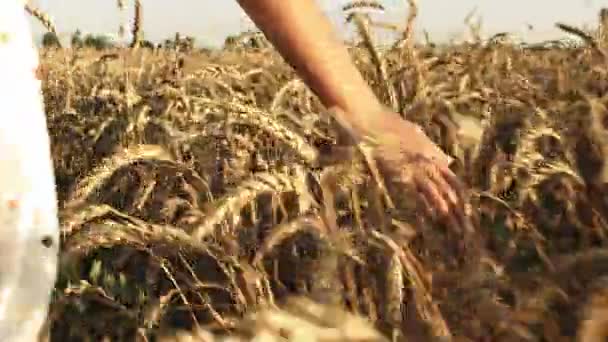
{"x": 120, "y": 4}
{"x": 137, "y": 29}
{"x": 43, "y": 18}
{"x": 603, "y": 28}
{"x": 586, "y": 37}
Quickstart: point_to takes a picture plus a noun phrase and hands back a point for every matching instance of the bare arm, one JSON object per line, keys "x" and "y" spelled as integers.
{"x": 304, "y": 36}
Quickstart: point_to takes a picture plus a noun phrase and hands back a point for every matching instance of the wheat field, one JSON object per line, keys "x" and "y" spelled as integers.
{"x": 208, "y": 196}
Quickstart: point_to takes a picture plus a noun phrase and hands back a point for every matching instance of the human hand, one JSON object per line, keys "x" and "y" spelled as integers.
{"x": 410, "y": 157}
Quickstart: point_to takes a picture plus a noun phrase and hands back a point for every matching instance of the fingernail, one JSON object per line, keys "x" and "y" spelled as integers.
{"x": 453, "y": 197}
{"x": 445, "y": 209}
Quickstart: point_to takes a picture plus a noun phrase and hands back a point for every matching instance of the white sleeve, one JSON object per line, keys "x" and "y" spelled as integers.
{"x": 29, "y": 232}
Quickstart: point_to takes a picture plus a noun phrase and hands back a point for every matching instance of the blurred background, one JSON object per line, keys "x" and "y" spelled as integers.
{"x": 533, "y": 20}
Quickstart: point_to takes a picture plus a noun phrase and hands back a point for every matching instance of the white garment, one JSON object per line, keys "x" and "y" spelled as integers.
{"x": 28, "y": 204}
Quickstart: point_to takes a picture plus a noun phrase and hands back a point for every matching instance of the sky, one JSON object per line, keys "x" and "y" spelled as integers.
{"x": 210, "y": 21}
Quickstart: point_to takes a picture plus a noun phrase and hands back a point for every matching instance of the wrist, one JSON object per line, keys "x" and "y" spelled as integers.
{"x": 369, "y": 119}
{"x": 365, "y": 112}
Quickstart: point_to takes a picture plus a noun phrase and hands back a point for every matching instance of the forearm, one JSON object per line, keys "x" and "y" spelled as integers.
{"x": 305, "y": 38}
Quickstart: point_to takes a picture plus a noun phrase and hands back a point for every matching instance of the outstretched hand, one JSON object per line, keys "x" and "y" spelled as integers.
{"x": 410, "y": 156}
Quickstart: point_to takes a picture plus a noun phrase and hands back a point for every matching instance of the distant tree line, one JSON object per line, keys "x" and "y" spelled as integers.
{"x": 78, "y": 40}
{"x": 252, "y": 39}
{"x": 247, "y": 40}
{"x": 104, "y": 41}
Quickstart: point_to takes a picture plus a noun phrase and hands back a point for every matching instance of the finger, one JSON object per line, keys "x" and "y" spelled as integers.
{"x": 439, "y": 193}
{"x": 448, "y": 187}
{"x": 454, "y": 182}
{"x": 427, "y": 187}
{"x": 454, "y": 192}
{"x": 454, "y": 222}
{"x": 425, "y": 208}
{"x": 442, "y": 184}
{"x": 460, "y": 207}
{"x": 437, "y": 175}
{"x": 454, "y": 216}
{"x": 457, "y": 215}
{"x": 450, "y": 219}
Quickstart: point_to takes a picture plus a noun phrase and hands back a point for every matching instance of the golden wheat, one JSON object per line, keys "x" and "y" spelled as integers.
{"x": 200, "y": 192}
